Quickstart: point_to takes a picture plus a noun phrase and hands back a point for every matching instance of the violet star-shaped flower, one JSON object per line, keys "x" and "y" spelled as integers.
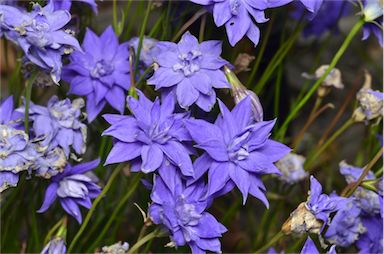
{"x": 40, "y": 34}
{"x": 154, "y": 133}
{"x": 181, "y": 209}
{"x": 73, "y": 188}
{"x": 191, "y": 70}
{"x": 238, "y": 17}
{"x": 321, "y": 205}
{"x": 101, "y": 72}
{"x": 238, "y": 150}
{"x": 59, "y": 124}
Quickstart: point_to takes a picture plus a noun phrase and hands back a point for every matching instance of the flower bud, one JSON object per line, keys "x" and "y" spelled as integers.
{"x": 302, "y": 221}
{"x": 239, "y": 92}
{"x": 56, "y": 246}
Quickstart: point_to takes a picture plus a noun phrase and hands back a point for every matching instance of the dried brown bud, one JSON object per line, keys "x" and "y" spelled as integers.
{"x": 302, "y": 221}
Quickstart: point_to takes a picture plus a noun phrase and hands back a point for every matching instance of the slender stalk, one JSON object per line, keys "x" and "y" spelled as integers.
{"x": 116, "y": 211}
{"x": 28, "y": 93}
{"x": 379, "y": 172}
{"x": 264, "y": 43}
{"x": 314, "y": 88}
{"x": 114, "y": 5}
{"x": 115, "y": 173}
{"x": 143, "y": 240}
{"x": 341, "y": 111}
{"x": 189, "y": 23}
{"x": 309, "y": 122}
{"x": 53, "y": 229}
{"x": 276, "y": 238}
{"x": 277, "y": 59}
{"x": 365, "y": 172}
{"x": 141, "y": 36}
{"x": 321, "y": 149}
{"x": 276, "y": 104}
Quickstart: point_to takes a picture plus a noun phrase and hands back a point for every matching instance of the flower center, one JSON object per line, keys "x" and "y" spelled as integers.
{"x": 238, "y": 149}
{"x": 189, "y": 62}
{"x": 187, "y": 218}
{"x": 101, "y": 69}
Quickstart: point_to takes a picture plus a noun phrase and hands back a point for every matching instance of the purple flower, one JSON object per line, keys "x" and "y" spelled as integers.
{"x": 101, "y": 72}
{"x": 154, "y": 133}
{"x": 238, "y": 150}
{"x": 238, "y": 16}
{"x": 55, "y": 246}
{"x": 16, "y": 154}
{"x": 345, "y": 226}
{"x": 325, "y": 19}
{"x": 40, "y": 35}
{"x": 181, "y": 209}
{"x": 372, "y": 240}
{"x": 148, "y": 49}
{"x": 59, "y": 124}
{"x": 309, "y": 247}
{"x": 321, "y": 205}
{"x": 191, "y": 70}
{"x": 49, "y": 163}
{"x": 66, "y": 4}
{"x": 73, "y": 188}
{"x": 367, "y": 200}
{"x": 7, "y": 114}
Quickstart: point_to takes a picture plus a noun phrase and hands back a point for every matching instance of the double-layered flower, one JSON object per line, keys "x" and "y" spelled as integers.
{"x": 40, "y": 34}
{"x": 59, "y": 124}
{"x": 100, "y": 72}
{"x": 322, "y": 205}
{"x": 238, "y": 150}
{"x": 16, "y": 155}
{"x": 151, "y": 135}
{"x": 73, "y": 188}
{"x": 191, "y": 70}
{"x": 241, "y": 17}
{"x": 181, "y": 209}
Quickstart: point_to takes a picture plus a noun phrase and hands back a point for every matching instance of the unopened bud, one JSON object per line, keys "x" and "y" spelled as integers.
{"x": 302, "y": 221}
{"x": 239, "y": 92}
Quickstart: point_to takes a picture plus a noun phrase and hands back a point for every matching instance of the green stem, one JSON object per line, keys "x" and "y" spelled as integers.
{"x": 379, "y": 172}
{"x": 141, "y": 36}
{"x": 277, "y": 58}
{"x": 255, "y": 67}
{"x": 114, "y": 5}
{"x": 365, "y": 172}
{"x": 28, "y": 93}
{"x": 321, "y": 149}
{"x": 189, "y": 23}
{"x": 116, "y": 211}
{"x": 314, "y": 88}
{"x": 53, "y": 230}
{"x": 276, "y": 238}
{"x": 143, "y": 240}
{"x": 95, "y": 203}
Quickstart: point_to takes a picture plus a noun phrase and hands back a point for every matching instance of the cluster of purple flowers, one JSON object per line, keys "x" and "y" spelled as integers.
{"x": 41, "y": 34}
{"x": 45, "y": 151}
{"x": 238, "y": 152}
